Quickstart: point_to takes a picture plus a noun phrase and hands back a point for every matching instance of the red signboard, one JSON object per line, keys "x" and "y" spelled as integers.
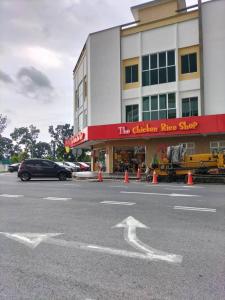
{"x": 213, "y": 124}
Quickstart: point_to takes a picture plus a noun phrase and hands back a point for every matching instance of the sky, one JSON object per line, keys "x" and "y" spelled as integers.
{"x": 40, "y": 42}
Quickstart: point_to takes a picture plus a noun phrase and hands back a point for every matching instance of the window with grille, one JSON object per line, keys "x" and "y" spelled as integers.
{"x": 217, "y": 146}
{"x": 158, "y": 68}
{"x": 158, "y": 107}
{"x": 132, "y": 113}
{"x": 190, "y": 107}
{"x": 190, "y": 148}
{"x": 131, "y": 74}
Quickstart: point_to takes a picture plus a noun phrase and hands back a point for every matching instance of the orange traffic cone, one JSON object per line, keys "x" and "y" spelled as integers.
{"x": 155, "y": 178}
{"x": 126, "y": 177}
{"x": 190, "y": 178}
{"x": 100, "y": 179}
{"x": 138, "y": 174}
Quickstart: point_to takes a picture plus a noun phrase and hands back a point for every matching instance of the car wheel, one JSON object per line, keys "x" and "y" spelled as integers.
{"x": 62, "y": 176}
{"x": 25, "y": 176}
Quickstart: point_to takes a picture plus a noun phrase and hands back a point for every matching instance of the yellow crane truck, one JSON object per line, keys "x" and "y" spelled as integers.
{"x": 205, "y": 167}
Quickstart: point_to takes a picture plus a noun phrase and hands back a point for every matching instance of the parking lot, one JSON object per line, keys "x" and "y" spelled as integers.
{"x": 110, "y": 240}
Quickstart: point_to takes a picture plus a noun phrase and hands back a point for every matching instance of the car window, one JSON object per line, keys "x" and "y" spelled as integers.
{"x": 45, "y": 163}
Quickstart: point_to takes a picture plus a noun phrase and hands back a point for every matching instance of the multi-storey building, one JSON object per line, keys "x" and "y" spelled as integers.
{"x": 157, "y": 81}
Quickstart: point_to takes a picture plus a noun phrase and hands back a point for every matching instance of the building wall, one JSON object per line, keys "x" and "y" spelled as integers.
{"x": 79, "y": 75}
{"x": 171, "y": 37}
{"x": 214, "y": 63}
{"x": 104, "y": 77}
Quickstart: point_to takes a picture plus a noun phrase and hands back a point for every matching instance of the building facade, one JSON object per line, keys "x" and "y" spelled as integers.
{"x": 145, "y": 79}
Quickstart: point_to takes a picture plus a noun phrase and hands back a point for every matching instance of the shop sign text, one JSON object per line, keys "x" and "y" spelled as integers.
{"x": 163, "y": 127}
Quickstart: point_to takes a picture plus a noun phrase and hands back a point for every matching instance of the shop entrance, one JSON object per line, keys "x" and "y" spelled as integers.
{"x": 128, "y": 158}
{"x": 99, "y": 159}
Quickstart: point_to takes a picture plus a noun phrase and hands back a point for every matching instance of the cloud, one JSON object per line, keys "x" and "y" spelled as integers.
{"x": 34, "y": 84}
{"x": 5, "y": 77}
{"x": 42, "y": 57}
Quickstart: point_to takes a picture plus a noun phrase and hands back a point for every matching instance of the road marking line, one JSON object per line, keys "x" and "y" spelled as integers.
{"x": 119, "y": 186}
{"x": 160, "y": 194}
{"x": 11, "y": 196}
{"x": 195, "y": 208}
{"x": 57, "y": 199}
{"x": 32, "y": 240}
{"x": 117, "y": 203}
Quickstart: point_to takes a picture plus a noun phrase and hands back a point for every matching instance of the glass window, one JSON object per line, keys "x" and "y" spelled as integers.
{"x": 162, "y": 101}
{"x": 145, "y": 103}
{"x": 194, "y": 106}
{"x": 154, "y": 102}
{"x": 132, "y": 113}
{"x": 189, "y": 63}
{"x": 145, "y": 62}
{"x": 170, "y": 58}
{"x": 190, "y": 107}
{"x": 172, "y": 113}
{"x": 146, "y": 115}
{"x": 163, "y": 114}
{"x": 154, "y": 76}
{"x": 185, "y": 107}
{"x": 184, "y": 64}
{"x": 171, "y": 74}
{"x": 85, "y": 118}
{"x": 158, "y": 68}
{"x": 162, "y": 59}
{"x": 162, "y": 75}
{"x": 131, "y": 74}
{"x": 159, "y": 107}
{"x": 134, "y": 73}
{"x": 154, "y": 61}
{"x": 172, "y": 100}
{"x": 193, "y": 62}
{"x": 145, "y": 78}
{"x": 154, "y": 115}
{"x": 128, "y": 74}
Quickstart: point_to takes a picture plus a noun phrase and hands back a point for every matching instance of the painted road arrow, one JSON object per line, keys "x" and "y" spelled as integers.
{"x": 31, "y": 240}
{"x": 130, "y": 224}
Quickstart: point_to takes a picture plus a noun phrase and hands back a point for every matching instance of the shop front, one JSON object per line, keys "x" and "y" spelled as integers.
{"x": 129, "y": 146}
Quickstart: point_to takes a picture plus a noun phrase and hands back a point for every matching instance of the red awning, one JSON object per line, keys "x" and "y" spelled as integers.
{"x": 204, "y": 125}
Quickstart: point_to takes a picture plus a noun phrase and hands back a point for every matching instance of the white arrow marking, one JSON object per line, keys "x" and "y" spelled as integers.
{"x": 159, "y": 194}
{"x": 130, "y": 224}
{"x": 10, "y": 196}
{"x": 117, "y": 203}
{"x": 57, "y": 199}
{"x": 31, "y": 240}
{"x": 195, "y": 208}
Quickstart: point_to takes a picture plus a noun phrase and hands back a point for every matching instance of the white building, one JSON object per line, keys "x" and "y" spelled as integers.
{"x": 168, "y": 64}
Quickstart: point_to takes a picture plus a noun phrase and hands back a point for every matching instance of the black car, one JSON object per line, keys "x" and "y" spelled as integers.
{"x": 30, "y": 168}
{"x": 13, "y": 167}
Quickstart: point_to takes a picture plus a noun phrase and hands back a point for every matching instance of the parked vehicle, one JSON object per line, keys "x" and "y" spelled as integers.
{"x": 30, "y": 168}
{"x": 13, "y": 167}
{"x": 83, "y": 166}
{"x": 74, "y": 166}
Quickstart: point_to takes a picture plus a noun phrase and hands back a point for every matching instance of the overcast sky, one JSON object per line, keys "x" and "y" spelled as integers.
{"x": 40, "y": 41}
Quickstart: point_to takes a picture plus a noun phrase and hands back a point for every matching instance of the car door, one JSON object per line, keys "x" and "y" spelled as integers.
{"x": 48, "y": 169}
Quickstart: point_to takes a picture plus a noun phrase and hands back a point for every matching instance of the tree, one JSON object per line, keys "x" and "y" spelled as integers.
{"x": 26, "y": 137}
{"x": 42, "y": 150}
{"x": 3, "y": 123}
{"x": 6, "y": 148}
{"x": 58, "y": 135}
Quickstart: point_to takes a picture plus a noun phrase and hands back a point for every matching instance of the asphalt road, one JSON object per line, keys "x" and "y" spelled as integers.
{"x": 167, "y": 249}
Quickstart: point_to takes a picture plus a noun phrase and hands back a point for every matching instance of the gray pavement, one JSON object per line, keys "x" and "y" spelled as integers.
{"x": 177, "y": 252}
